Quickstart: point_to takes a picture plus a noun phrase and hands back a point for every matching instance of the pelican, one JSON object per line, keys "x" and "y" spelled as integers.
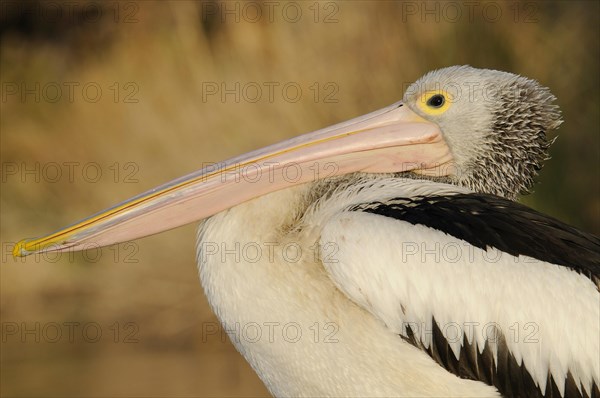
{"x": 386, "y": 256}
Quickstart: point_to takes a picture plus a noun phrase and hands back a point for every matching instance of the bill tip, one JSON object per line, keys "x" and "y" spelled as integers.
{"x": 20, "y": 249}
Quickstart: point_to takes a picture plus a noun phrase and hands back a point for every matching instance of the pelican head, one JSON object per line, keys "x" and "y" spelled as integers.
{"x": 494, "y": 122}
{"x": 482, "y": 129}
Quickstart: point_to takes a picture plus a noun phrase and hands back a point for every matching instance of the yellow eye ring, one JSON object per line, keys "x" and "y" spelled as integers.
{"x": 434, "y": 102}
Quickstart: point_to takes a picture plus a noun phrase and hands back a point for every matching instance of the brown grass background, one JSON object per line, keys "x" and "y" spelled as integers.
{"x": 371, "y": 50}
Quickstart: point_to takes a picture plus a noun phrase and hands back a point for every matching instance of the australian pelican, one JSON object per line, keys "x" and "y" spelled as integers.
{"x": 392, "y": 245}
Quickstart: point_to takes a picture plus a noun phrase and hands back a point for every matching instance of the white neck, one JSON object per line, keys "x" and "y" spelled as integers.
{"x": 297, "y": 330}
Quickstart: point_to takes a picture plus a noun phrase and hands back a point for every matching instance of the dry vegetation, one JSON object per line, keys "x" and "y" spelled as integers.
{"x": 370, "y": 51}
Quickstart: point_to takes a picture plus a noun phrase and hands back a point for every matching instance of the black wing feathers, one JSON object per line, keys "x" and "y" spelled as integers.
{"x": 491, "y": 221}
{"x": 509, "y": 376}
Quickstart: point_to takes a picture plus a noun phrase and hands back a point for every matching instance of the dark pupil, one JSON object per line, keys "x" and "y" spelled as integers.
{"x": 436, "y": 101}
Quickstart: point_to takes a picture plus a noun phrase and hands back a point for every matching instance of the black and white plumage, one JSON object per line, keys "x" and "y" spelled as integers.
{"x": 420, "y": 274}
{"x": 488, "y": 221}
{"x": 492, "y": 223}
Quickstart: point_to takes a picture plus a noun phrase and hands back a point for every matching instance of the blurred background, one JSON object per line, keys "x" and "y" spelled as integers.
{"x": 103, "y": 100}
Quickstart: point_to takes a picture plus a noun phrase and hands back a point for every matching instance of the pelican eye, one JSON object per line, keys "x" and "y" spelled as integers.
{"x": 436, "y": 101}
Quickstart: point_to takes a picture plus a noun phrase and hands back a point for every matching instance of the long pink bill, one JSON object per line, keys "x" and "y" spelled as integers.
{"x": 392, "y": 139}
